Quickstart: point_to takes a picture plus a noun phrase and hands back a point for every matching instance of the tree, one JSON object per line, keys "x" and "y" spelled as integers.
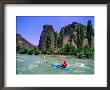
{"x": 23, "y": 51}
{"x": 36, "y": 51}
{"x": 68, "y": 50}
{"x": 78, "y": 38}
{"x": 17, "y": 49}
{"x": 81, "y": 36}
{"x": 30, "y": 51}
{"x": 60, "y": 38}
{"x": 89, "y": 33}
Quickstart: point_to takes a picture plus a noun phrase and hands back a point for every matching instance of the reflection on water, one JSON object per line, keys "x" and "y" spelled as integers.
{"x": 31, "y": 64}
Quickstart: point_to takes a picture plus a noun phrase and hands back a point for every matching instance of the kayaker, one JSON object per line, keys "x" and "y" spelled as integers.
{"x": 64, "y": 65}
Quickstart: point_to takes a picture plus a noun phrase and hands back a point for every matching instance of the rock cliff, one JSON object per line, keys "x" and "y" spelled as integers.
{"x": 75, "y": 34}
{"x": 48, "y": 39}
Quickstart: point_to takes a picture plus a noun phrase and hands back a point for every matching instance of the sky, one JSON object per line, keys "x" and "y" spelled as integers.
{"x": 30, "y": 27}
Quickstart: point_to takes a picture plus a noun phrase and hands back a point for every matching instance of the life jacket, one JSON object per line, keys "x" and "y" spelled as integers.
{"x": 64, "y": 64}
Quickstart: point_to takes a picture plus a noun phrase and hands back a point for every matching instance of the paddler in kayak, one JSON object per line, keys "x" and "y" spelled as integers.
{"x": 63, "y": 65}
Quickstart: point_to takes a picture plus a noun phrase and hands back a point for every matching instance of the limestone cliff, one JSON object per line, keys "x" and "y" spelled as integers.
{"x": 75, "y": 33}
{"x": 48, "y": 39}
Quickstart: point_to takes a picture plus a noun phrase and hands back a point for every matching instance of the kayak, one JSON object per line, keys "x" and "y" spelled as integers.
{"x": 60, "y": 67}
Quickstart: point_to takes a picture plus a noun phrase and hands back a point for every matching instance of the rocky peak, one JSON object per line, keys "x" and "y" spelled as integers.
{"x": 47, "y": 38}
{"x": 48, "y": 28}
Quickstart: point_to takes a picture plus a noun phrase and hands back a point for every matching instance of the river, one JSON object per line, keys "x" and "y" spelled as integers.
{"x": 37, "y": 64}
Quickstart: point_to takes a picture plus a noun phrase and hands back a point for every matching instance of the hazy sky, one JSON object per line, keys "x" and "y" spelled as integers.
{"x": 30, "y": 27}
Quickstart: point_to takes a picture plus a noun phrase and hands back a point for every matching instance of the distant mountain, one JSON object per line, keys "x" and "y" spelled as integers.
{"x": 23, "y": 43}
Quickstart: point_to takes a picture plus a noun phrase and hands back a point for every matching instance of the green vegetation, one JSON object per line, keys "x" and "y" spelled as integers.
{"x": 80, "y": 37}
{"x": 28, "y": 51}
{"x": 60, "y": 38}
{"x": 68, "y": 50}
{"x": 89, "y": 33}
{"x": 85, "y": 53}
{"x": 80, "y": 52}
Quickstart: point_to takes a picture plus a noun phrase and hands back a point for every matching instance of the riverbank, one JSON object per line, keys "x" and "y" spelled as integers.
{"x": 63, "y": 56}
{"x": 59, "y": 56}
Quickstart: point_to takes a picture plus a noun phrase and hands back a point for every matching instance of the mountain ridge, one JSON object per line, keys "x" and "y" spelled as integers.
{"x": 23, "y": 43}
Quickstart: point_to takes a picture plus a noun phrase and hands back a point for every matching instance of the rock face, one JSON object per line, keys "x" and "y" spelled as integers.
{"x": 48, "y": 39}
{"x": 75, "y": 34}
{"x": 23, "y": 43}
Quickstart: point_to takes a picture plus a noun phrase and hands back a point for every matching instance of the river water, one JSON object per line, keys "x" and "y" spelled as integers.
{"x": 37, "y": 64}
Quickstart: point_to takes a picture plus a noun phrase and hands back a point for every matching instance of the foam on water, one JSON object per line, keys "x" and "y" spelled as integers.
{"x": 79, "y": 64}
{"x": 19, "y": 60}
